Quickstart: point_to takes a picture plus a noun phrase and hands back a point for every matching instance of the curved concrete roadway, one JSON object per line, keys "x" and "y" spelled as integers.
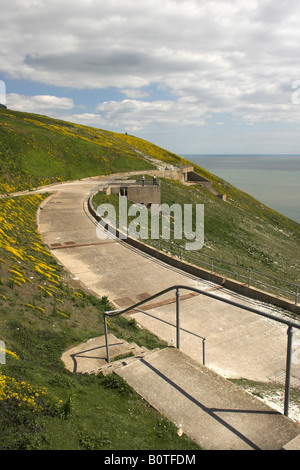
{"x": 238, "y": 343}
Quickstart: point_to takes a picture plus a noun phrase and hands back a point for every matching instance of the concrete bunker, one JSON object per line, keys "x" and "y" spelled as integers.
{"x": 140, "y": 192}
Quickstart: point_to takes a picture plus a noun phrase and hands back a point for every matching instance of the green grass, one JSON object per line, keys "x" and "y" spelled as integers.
{"x": 36, "y": 150}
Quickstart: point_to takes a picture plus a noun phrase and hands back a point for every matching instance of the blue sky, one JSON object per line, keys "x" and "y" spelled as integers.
{"x": 193, "y": 76}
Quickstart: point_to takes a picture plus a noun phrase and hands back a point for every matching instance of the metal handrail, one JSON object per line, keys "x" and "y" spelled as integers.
{"x": 288, "y": 323}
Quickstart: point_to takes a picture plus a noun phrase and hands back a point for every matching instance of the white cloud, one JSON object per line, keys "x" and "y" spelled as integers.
{"x": 2, "y": 92}
{"x": 134, "y": 93}
{"x": 136, "y": 114}
{"x": 35, "y": 104}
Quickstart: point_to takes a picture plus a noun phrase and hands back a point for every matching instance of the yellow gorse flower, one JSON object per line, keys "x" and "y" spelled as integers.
{"x": 24, "y": 254}
{"x": 25, "y": 394}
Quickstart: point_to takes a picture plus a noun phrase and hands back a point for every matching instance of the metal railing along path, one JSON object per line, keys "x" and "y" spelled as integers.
{"x": 291, "y": 325}
{"x": 249, "y": 276}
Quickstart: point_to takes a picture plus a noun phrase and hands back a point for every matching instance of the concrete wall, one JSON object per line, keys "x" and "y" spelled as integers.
{"x": 148, "y": 194}
{"x": 195, "y": 178}
{"x": 185, "y": 175}
{"x": 171, "y": 174}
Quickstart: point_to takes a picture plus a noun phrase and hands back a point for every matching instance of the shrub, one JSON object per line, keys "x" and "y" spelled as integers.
{"x": 93, "y": 440}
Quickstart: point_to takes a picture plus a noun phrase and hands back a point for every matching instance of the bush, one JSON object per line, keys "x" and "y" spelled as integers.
{"x": 115, "y": 382}
{"x": 93, "y": 440}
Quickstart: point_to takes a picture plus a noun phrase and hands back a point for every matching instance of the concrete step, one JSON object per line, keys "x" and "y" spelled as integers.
{"x": 115, "y": 365}
{"x": 208, "y": 408}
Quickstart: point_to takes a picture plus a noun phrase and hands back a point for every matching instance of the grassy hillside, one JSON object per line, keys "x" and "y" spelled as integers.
{"x": 42, "y": 313}
{"x": 42, "y": 405}
{"x": 36, "y": 150}
{"x": 243, "y": 231}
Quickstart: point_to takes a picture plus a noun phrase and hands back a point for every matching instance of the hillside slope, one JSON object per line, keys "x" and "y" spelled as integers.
{"x": 36, "y": 150}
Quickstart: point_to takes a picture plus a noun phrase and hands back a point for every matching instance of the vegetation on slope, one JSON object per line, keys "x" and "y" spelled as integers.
{"x": 36, "y": 150}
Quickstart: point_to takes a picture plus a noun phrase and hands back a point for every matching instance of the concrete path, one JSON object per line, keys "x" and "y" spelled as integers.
{"x": 238, "y": 343}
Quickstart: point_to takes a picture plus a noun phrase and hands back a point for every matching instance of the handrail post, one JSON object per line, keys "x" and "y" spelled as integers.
{"x": 288, "y": 370}
{"x": 178, "y": 318}
{"x": 249, "y": 277}
{"x": 297, "y": 293}
{"x": 106, "y": 337}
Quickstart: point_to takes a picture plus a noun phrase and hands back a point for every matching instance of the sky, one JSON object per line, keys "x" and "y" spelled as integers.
{"x": 192, "y": 76}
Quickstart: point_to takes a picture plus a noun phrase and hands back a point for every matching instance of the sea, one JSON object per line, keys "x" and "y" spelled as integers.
{"x": 272, "y": 179}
